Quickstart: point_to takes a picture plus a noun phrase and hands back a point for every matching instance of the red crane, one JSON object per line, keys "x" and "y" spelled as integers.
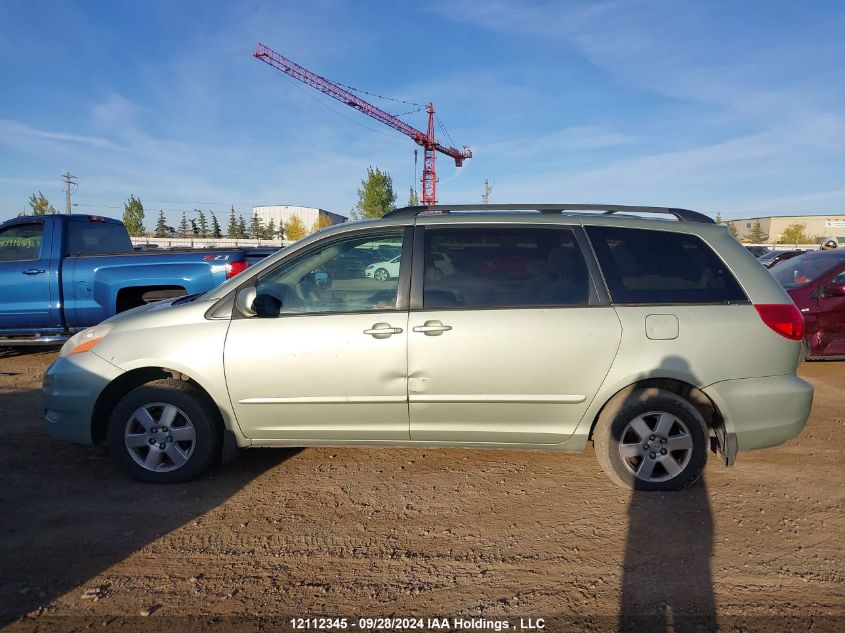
{"x": 425, "y": 139}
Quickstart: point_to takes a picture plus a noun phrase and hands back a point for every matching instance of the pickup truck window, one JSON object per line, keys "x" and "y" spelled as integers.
{"x": 97, "y": 238}
{"x": 20, "y": 242}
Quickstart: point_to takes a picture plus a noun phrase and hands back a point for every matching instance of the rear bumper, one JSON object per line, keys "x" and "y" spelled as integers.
{"x": 762, "y": 412}
{"x": 72, "y": 385}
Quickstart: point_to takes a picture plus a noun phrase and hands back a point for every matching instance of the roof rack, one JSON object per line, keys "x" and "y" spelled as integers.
{"x": 683, "y": 215}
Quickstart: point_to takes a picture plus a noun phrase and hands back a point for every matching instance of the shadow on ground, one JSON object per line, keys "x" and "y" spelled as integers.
{"x": 50, "y": 488}
{"x": 666, "y": 579}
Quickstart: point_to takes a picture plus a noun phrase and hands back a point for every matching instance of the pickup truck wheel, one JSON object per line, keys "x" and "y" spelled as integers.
{"x": 164, "y": 432}
{"x": 651, "y": 440}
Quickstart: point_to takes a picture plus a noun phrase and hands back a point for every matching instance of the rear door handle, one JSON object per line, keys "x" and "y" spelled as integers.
{"x": 34, "y": 271}
{"x": 432, "y": 328}
{"x": 383, "y": 330}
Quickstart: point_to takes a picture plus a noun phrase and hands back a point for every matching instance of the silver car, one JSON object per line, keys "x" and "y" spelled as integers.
{"x": 659, "y": 339}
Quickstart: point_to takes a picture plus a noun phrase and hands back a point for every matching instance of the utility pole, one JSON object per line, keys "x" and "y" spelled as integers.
{"x": 485, "y": 197}
{"x": 68, "y": 180}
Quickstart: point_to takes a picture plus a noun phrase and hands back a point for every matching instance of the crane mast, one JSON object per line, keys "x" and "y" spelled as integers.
{"x": 426, "y": 140}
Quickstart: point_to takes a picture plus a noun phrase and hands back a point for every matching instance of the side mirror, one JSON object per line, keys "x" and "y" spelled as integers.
{"x": 834, "y": 290}
{"x": 244, "y": 301}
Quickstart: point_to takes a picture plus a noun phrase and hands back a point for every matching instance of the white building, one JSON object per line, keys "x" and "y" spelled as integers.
{"x": 283, "y": 213}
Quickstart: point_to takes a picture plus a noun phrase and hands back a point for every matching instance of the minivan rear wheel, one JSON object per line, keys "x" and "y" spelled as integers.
{"x": 164, "y": 432}
{"x": 651, "y": 439}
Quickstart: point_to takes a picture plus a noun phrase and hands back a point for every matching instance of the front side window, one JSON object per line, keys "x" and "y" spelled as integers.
{"x": 21, "y": 242}
{"x": 482, "y": 267}
{"x": 359, "y": 274}
{"x": 642, "y": 266}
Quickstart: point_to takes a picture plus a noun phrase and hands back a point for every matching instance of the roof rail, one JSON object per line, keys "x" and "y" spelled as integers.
{"x": 683, "y": 215}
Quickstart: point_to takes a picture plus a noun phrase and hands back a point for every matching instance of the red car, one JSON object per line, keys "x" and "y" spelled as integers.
{"x": 816, "y": 283}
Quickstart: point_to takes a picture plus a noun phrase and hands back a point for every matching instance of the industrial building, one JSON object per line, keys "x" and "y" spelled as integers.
{"x": 815, "y": 226}
{"x": 282, "y": 213}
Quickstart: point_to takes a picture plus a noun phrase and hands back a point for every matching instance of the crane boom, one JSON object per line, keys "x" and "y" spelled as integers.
{"x": 425, "y": 139}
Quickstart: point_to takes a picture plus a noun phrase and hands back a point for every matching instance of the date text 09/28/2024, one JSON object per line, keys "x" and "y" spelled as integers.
{"x": 415, "y": 623}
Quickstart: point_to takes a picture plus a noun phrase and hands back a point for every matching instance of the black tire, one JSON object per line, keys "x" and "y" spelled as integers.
{"x": 637, "y": 422}
{"x": 381, "y": 274}
{"x": 195, "y": 414}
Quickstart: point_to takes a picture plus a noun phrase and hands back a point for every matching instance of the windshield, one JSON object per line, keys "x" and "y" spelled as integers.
{"x": 804, "y": 269}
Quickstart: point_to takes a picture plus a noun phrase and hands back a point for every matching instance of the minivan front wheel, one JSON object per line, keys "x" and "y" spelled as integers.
{"x": 164, "y": 432}
{"x": 651, "y": 439}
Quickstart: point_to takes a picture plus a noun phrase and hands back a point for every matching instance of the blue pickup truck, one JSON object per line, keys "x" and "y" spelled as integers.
{"x": 62, "y": 273}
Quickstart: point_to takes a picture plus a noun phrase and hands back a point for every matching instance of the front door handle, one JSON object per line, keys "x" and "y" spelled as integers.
{"x": 432, "y": 328}
{"x": 383, "y": 330}
{"x": 34, "y": 271}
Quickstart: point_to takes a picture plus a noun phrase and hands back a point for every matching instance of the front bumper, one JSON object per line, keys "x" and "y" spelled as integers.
{"x": 762, "y": 412}
{"x": 72, "y": 385}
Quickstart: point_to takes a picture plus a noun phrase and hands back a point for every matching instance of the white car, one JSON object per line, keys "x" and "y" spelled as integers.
{"x": 382, "y": 271}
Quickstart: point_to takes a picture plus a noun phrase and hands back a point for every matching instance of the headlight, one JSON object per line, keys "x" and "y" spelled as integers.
{"x": 86, "y": 340}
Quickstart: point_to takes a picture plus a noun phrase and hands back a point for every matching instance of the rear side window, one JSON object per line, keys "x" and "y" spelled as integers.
{"x": 643, "y": 266}
{"x": 97, "y": 238}
{"x": 20, "y": 242}
{"x": 484, "y": 267}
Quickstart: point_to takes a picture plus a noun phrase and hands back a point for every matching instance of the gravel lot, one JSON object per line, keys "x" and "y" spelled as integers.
{"x": 378, "y": 532}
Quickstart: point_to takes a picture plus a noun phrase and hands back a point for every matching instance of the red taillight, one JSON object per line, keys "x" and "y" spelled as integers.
{"x": 783, "y": 318}
{"x": 235, "y": 268}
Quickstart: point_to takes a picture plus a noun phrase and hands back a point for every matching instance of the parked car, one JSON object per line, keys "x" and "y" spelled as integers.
{"x": 654, "y": 339}
{"x": 62, "y": 273}
{"x": 816, "y": 283}
{"x": 773, "y": 258}
{"x": 383, "y": 270}
{"x": 758, "y": 251}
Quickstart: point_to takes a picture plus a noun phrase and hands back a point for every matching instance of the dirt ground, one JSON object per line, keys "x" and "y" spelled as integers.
{"x": 500, "y": 535}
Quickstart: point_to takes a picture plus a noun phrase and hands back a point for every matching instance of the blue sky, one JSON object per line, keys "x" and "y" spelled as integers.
{"x": 735, "y": 107}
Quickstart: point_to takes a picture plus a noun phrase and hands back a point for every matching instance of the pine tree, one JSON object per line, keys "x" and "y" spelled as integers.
{"x": 232, "y": 229}
{"x": 270, "y": 231}
{"x": 183, "y": 226}
{"x": 376, "y": 196}
{"x": 133, "y": 216}
{"x": 161, "y": 225}
{"x": 757, "y": 235}
{"x": 413, "y": 198}
{"x": 256, "y": 228}
{"x": 295, "y": 229}
{"x": 215, "y": 227}
{"x": 241, "y": 227}
{"x": 203, "y": 223}
{"x": 195, "y": 230}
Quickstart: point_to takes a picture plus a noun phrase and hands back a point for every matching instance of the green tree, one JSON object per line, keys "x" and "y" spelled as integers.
{"x": 757, "y": 235}
{"x": 256, "y": 227}
{"x": 242, "y": 227}
{"x": 215, "y": 227}
{"x": 376, "y": 196}
{"x": 413, "y": 198}
{"x": 183, "y": 226}
{"x": 270, "y": 230}
{"x": 40, "y": 205}
{"x": 203, "y": 223}
{"x": 133, "y": 216}
{"x": 794, "y": 234}
{"x": 161, "y": 225}
{"x": 195, "y": 230}
{"x": 232, "y": 229}
{"x": 733, "y": 230}
{"x": 295, "y": 229}
{"x": 719, "y": 218}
